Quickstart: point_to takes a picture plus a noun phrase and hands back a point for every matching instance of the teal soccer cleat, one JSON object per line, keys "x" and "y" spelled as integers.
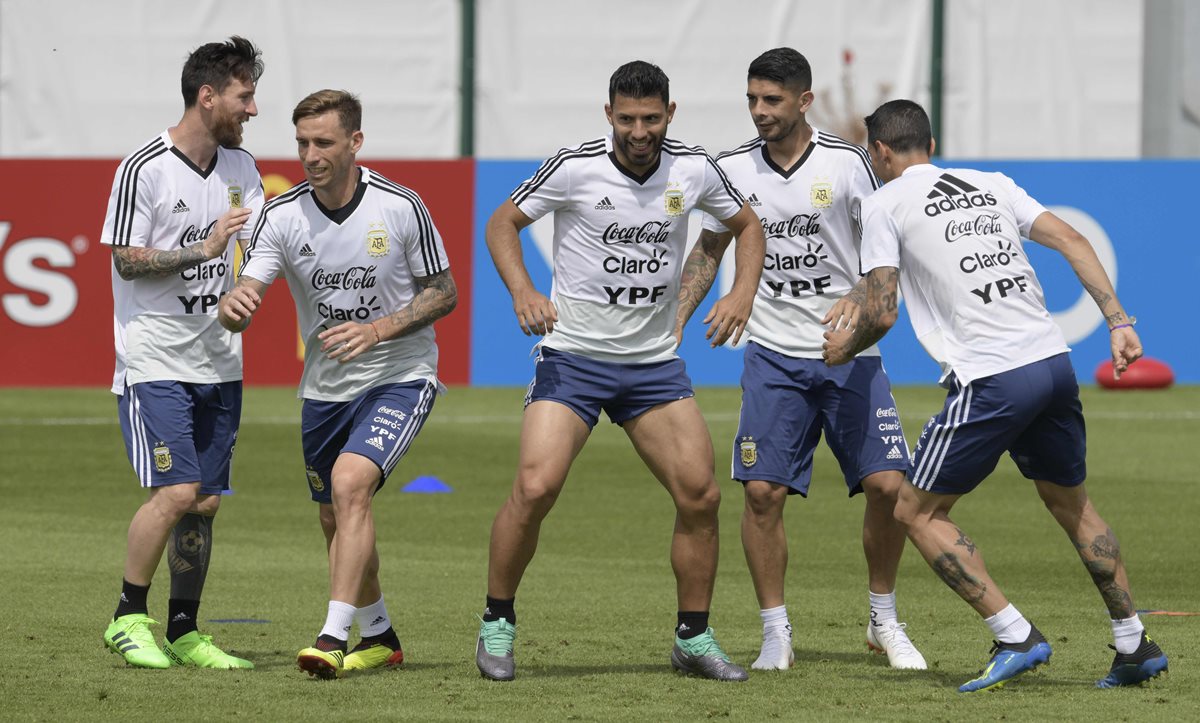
{"x": 1010, "y": 660}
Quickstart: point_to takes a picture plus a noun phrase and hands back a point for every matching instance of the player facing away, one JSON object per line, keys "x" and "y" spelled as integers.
{"x": 953, "y": 237}
{"x": 806, "y": 186}
{"x": 621, "y": 204}
{"x": 176, "y": 203}
{"x": 369, "y": 276}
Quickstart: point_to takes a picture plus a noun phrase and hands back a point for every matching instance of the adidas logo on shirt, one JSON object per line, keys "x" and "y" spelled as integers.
{"x": 753, "y": 200}
{"x": 306, "y": 250}
{"x": 895, "y": 453}
{"x": 605, "y": 205}
{"x": 180, "y": 207}
{"x": 951, "y": 194}
{"x": 376, "y": 442}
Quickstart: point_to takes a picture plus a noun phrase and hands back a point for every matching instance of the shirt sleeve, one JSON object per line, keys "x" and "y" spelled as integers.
{"x": 263, "y": 259}
{"x": 880, "y": 237}
{"x": 862, "y": 184}
{"x": 720, "y": 198}
{"x": 1025, "y": 208}
{"x": 546, "y": 190}
{"x": 423, "y": 245}
{"x": 129, "y": 219}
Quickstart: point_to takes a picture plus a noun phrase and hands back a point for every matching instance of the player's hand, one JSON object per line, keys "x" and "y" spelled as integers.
{"x": 842, "y": 315}
{"x": 237, "y": 307}
{"x": 535, "y": 313}
{"x": 346, "y": 342}
{"x": 728, "y": 318}
{"x": 836, "y": 349}
{"x": 226, "y": 227}
{"x": 1126, "y": 349}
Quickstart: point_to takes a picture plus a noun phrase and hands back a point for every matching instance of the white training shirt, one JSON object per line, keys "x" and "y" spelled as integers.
{"x": 619, "y": 244}
{"x": 810, "y": 217}
{"x": 971, "y": 293}
{"x": 166, "y": 328}
{"x": 356, "y": 263}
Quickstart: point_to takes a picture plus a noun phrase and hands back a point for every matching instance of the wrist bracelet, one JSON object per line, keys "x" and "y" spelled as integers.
{"x": 1131, "y": 322}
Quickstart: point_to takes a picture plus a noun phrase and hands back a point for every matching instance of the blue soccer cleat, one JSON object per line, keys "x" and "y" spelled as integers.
{"x": 1135, "y": 668}
{"x": 1008, "y": 661}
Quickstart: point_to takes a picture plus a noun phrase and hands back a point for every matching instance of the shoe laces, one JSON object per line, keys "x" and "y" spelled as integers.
{"x": 139, "y": 632}
{"x": 897, "y": 638}
{"x": 705, "y": 644}
{"x": 498, "y": 636}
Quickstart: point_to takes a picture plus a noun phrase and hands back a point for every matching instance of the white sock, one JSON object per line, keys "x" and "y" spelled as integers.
{"x": 883, "y": 607}
{"x": 373, "y": 619}
{"x": 1127, "y": 634}
{"x": 1009, "y": 625}
{"x": 774, "y": 618}
{"x": 338, "y": 620}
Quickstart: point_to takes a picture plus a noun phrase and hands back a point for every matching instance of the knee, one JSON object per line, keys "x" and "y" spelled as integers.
{"x": 907, "y": 511}
{"x": 534, "y": 494}
{"x": 174, "y": 501}
{"x": 206, "y": 505}
{"x": 700, "y": 501}
{"x": 350, "y": 495}
{"x": 764, "y": 500}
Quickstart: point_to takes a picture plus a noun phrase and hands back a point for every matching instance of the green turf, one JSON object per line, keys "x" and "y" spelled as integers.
{"x": 597, "y": 605}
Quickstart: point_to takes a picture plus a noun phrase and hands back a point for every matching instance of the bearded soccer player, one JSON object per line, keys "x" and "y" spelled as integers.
{"x": 621, "y": 204}
{"x": 176, "y": 204}
{"x": 950, "y": 240}
{"x": 369, "y": 276}
{"x": 807, "y": 186}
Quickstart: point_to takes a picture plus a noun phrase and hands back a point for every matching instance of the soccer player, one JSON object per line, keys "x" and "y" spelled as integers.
{"x": 953, "y": 237}
{"x": 176, "y": 204}
{"x": 806, "y": 186}
{"x": 369, "y": 276}
{"x": 621, "y": 205}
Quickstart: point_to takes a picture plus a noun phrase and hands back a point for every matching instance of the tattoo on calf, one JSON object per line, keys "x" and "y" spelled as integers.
{"x": 965, "y": 541}
{"x": 951, "y": 571}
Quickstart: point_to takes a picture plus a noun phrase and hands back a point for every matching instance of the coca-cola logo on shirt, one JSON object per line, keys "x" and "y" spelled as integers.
{"x": 802, "y": 224}
{"x": 193, "y": 234}
{"x": 651, "y": 232}
{"x": 355, "y": 277}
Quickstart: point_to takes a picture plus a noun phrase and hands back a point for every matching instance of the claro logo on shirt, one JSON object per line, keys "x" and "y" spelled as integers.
{"x": 44, "y": 297}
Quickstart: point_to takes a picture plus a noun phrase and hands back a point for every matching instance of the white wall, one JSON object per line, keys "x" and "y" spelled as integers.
{"x": 1024, "y": 78}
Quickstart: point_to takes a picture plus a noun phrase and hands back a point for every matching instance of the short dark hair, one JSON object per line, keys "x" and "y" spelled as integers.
{"x": 902, "y": 125}
{"x": 217, "y": 64}
{"x": 345, "y": 103}
{"x": 784, "y": 66}
{"x": 639, "y": 79}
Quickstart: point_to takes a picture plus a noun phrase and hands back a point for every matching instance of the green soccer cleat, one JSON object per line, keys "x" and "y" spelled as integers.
{"x": 366, "y": 656}
{"x": 494, "y": 650}
{"x": 197, "y": 651}
{"x": 130, "y": 637}
{"x": 323, "y": 664}
{"x": 702, "y": 656}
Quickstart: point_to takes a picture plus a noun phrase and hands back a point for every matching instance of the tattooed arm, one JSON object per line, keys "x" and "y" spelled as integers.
{"x": 436, "y": 297}
{"x": 135, "y": 262}
{"x": 879, "y": 311}
{"x": 699, "y": 272}
{"x": 1052, "y": 232}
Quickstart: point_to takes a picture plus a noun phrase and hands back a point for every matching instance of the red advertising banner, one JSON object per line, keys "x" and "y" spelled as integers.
{"x": 56, "y": 278}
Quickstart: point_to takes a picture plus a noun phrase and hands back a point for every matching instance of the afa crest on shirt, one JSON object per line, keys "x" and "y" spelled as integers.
{"x": 377, "y": 240}
{"x": 821, "y": 194}
{"x": 162, "y": 457}
{"x": 235, "y": 195}
{"x": 674, "y": 201}
{"x": 314, "y": 480}
{"x": 749, "y": 451}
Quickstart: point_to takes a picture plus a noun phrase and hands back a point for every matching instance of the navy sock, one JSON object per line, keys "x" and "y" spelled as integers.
{"x": 497, "y": 608}
{"x": 182, "y": 617}
{"x": 690, "y": 624}
{"x": 133, "y": 599}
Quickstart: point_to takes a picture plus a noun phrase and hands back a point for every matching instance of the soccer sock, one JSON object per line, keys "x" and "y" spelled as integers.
{"x": 774, "y": 618}
{"x": 188, "y": 553}
{"x": 1127, "y": 634}
{"x": 338, "y": 621}
{"x": 133, "y": 599}
{"x": 182, "y": 617}
{"x": 373, "y": 619}
{"x": 1009, "y": 625}
{"x": 883, "y": 607}
{"x": 495, "y": 608}
{"x": 691, "y": 624}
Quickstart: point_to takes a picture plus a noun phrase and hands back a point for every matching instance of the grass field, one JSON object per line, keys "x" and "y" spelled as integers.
{"x": 597, "y": 605}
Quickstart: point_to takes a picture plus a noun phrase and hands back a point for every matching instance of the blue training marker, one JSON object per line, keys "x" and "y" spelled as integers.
{"x": 427, "y": 485}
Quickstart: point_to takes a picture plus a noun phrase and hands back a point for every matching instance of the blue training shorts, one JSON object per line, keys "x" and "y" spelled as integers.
{"x": 787, "y": 402}
{"x": 623, "y": 391}
{"x": 181, "y": 432}
{"x": 378, "y": 424}
{"x": 1032, "y": 412}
